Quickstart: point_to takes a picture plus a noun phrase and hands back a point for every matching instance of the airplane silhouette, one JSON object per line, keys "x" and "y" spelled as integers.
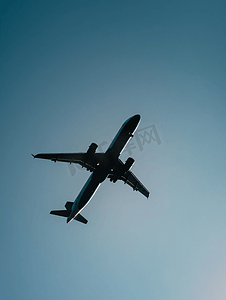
{"x": 102, "y": 165}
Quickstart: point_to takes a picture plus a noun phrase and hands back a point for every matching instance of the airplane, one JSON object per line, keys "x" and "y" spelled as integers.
{"x": 102, "y": 165}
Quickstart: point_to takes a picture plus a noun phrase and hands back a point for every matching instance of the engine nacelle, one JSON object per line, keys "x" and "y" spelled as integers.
{"x": 128, "y": 164}
{"x": 121, "y": 169}
{"x": 92, "y": 148}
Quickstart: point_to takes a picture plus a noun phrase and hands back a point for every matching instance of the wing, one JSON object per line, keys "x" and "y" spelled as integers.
{"x": 134, "y": 182}
{"x": 84, "y": 159}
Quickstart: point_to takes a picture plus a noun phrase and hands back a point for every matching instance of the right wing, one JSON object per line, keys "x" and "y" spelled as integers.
{"x": 83, "y": 159}
{"x": 134, "y": 182}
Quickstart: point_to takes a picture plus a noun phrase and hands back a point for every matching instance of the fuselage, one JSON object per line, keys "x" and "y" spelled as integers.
{"x": 104, "y": 166}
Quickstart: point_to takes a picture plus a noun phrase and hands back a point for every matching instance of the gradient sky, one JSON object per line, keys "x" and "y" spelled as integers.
{"x": 71, "y": 73}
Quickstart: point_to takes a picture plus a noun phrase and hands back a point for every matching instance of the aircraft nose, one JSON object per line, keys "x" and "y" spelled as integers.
{"x": 137, "y": 118}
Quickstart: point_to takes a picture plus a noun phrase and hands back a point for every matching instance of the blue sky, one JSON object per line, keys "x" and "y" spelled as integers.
{"x": 71, "y": 73}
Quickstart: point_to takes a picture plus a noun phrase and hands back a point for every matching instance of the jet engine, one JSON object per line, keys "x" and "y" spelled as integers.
{"x": 120, "y": 169}
{"x": 128, "y": 164}
{"x": 92, "y": 148}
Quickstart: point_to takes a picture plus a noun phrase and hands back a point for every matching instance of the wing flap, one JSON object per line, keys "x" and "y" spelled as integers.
{"x": 83, "y": 159}
{"x": 63, "y": 157}
{"x": 134, "y": 182}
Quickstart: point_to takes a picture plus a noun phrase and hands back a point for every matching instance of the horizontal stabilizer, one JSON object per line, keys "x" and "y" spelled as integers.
{"x": 66, "y": 213}
{"x": 62, "y": 213}
{"x": 80, "y": 218}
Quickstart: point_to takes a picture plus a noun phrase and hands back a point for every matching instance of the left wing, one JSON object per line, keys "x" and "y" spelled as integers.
{"x": 134, "y": 182}
{"x": 84, "y": 159}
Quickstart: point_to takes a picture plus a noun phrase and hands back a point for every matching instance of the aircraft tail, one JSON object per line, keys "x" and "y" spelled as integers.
{"x": 66, "y": 213}
{"x": 62, "y": 213}
{"x": 80, "y": 218}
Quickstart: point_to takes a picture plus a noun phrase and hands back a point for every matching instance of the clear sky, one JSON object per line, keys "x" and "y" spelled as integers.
{"x": 71, "y": 72}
